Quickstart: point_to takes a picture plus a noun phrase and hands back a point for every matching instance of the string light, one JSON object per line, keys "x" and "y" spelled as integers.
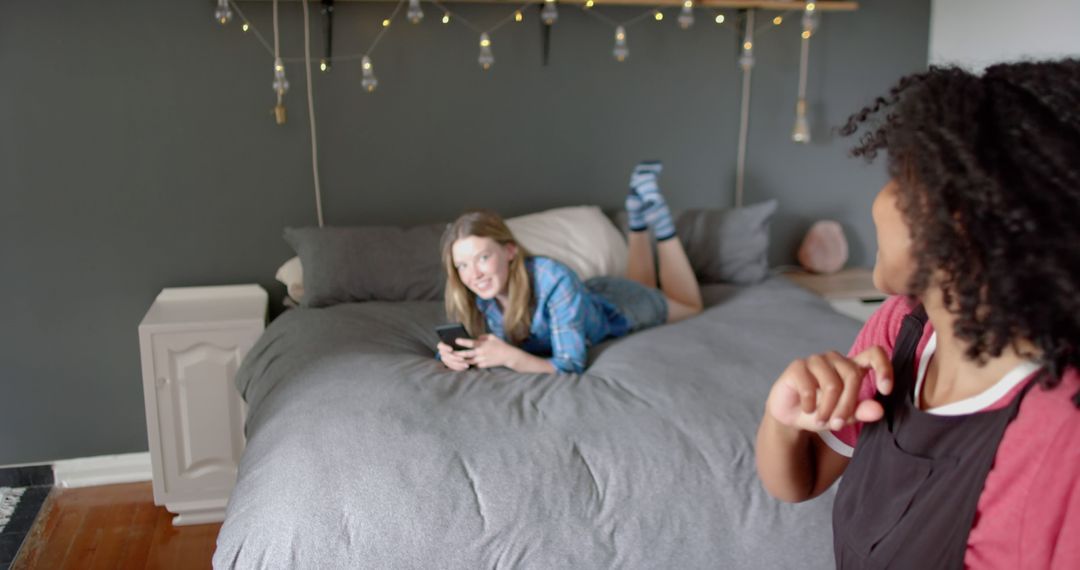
{"x": 414, "y": 13}
{"x": 809, "y": 22}
{"x": 550, "y": 14}
{"x": 621, "y": 51}
{"x": 486, "y": 59}
{"x": 281, "y": 84}
{"x": 746, "y": 60}
{"x": 223, "y": 13}
{"x": 801, "y": 132}
{"x": 686, "y": 15}
{"x": 368, "y": 80}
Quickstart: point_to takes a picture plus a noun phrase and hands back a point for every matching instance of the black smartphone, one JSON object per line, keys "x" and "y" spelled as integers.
{"x": 451, "y": 332}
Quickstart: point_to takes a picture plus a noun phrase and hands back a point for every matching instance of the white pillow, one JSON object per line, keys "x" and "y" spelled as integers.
{"x": 291, "y": 273}
{"x": 582, "y": 237}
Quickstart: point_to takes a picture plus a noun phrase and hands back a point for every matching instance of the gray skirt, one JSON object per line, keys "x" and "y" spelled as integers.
{"x": 641, "y": 306}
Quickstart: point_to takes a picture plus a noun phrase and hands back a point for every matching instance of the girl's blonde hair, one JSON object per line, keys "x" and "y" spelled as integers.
{"x": 461, "y": 302}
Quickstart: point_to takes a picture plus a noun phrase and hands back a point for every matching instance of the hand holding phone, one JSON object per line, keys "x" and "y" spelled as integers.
{"x": 450, "y": 333}
{"x": 449, "y": 349}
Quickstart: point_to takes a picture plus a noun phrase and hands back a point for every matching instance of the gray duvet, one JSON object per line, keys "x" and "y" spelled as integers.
{"x": 364, "y": 452}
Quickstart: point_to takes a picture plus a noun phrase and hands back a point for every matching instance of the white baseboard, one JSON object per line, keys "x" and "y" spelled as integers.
{"x": 103, "y": 470}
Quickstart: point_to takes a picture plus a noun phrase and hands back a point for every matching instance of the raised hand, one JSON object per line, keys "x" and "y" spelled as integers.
{"x": 821, "y": 392}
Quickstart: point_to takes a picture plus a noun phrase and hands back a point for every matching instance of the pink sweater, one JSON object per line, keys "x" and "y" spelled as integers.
{"x": 1028, "y": 515}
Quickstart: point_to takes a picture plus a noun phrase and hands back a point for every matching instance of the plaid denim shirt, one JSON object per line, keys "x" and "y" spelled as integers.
{"x": 567, "y": 320}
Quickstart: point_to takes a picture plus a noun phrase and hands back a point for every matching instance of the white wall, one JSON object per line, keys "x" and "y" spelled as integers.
{"x": 975, "y": 33}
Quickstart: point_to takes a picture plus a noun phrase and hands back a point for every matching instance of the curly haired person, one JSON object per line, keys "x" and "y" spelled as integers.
{"x": 955, "y": 417}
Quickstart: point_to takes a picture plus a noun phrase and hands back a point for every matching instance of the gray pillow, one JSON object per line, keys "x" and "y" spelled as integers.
{"x": 369, "y": 263}
{"x": 729, "y": 246}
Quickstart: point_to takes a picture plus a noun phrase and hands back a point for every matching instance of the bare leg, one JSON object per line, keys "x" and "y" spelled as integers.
{"x": 640, "y": 266}
{"x": 645, "y": 206}
{"x": 677, "y": 281}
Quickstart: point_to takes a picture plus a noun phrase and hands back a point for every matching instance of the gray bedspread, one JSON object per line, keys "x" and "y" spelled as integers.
{"x": 365, "y": 452}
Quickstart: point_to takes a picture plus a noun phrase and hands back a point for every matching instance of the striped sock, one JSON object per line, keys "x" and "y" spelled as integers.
{"x": 635, "y": 214}
{"x": 635, "y": 217}
{"x": 643, "y": 182}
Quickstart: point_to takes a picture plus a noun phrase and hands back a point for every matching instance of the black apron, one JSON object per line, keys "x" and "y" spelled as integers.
{"x": 908, "y": 497}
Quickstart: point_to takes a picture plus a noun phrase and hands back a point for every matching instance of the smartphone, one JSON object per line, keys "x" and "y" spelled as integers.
{"x": 451, "y": 332}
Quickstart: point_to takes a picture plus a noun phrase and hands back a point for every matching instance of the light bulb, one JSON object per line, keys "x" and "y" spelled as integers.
{"x": 414, "y": 13}
{"x": 386, "y": 23}
{"x": 368, "y": 80}
{"x": 659, "y": 16}
{"x": 719, "y": 18}
{"x": 809, "y": 23}
{"x": 801, "y": 132}
{"x": 245, "y": 27}
{"x": 324, "y": 65}
{"x": 589, "y": 3}
{"x": 486, "y": 59}
{"x": 621, "y": 51}
{"x": 746, "y": 60}
{"x": 446, "y": 18}
{"x": 281, "y": 84}
{"x": 778, "y": 20}
{"x": 223, "y": 13}
{"x": 518, "y": 16}
{"x": 550, "y": 14}
{"x": 810, "y": 7}
{"x": 686, "y": 16}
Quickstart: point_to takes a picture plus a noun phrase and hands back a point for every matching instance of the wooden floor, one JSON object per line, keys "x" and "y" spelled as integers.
{"x": 112, "y": 526}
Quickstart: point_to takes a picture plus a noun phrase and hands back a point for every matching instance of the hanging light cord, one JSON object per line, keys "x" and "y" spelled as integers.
{"x": 744, "y": 120}
{"x": 311, "y": 115}
{"x": 804, "y": 58}
{"x": 277, "y": 48}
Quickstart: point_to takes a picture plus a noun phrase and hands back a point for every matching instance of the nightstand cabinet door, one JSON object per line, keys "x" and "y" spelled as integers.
{"x": 200, "y": 413}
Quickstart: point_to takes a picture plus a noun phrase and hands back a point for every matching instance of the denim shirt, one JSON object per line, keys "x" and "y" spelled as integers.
{"x": 568, "y": 318}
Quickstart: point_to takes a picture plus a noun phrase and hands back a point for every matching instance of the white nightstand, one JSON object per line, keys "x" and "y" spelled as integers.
{"x": 192, "y": 341}
{"x": 849, "y": 291}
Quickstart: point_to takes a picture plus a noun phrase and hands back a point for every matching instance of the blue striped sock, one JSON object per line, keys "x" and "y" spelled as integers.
{"x": 655, "y": 210}
{"x": 635, "y": 218}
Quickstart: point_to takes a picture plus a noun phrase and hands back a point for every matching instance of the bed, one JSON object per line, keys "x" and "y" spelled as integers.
{"x": 364, "y": 452}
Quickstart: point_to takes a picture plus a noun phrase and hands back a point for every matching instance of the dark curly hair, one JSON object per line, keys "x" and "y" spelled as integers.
{"x": 989, "y": 173}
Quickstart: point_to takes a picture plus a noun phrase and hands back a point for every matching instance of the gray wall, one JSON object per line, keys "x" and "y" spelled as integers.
{"x": 137, "y": 152}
